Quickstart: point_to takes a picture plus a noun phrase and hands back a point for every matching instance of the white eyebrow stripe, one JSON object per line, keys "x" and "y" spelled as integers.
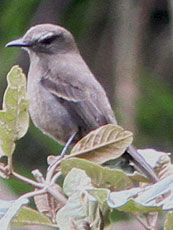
{"x": 46, "y": 35}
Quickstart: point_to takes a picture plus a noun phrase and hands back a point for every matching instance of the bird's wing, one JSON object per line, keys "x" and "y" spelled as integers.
{"x": 88, "y": 106}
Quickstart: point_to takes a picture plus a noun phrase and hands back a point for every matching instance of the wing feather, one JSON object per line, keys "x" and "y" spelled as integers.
{"x": 81, "y": 103}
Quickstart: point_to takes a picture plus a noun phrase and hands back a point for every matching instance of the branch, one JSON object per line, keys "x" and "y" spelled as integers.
{"x": 26, "y": 180}
{"x": 11, "y": 174}
{"x": 34, "y": 193}
{"x": 51, "y": 170}
{"x": 145, "y": 225}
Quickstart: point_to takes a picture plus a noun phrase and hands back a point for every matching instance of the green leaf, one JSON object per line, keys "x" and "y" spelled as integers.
{"x": 124, "y": 201}
{"x": 152, "y": 198}
{"x": 169, "y": 221}
{"x": 81, "y": 208}
{"x": 72, "y": 214}
{"x": 28, "y": 216}
{"x": 14, "y": 118}
{"x": 133, "y": 207}
{"x": 100, "y": 194}
{"x": 9, "y": 209}
{"x": 102, "y": 144}
{"x": 101, "y": 177}
{"x": 75, "y": 180}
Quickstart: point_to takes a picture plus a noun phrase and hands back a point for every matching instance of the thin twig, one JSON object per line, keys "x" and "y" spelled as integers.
{"x": 147, "y": 216}
{"x": 34, "y": 193}
{"x": 145, "y": 225}
{"x": 52, "y": 169}
{"x": 54, "y": 165}
{"x": 44, "y": 188}
{"x": 4, "y": 171}
{"x": 57, "y": 195}
{"x": 10, "y": 163}
{"x": 55, "y": 177}
{"x": 38, "y": 176}
{"x": 27, "y": 180}
{"x": 8, "y": 170}
{"x": 152, "y": 219}
{"x": 12, "y": 174}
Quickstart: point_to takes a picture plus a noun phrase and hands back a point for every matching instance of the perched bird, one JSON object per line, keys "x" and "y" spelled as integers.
{"x": 66, "y": 101}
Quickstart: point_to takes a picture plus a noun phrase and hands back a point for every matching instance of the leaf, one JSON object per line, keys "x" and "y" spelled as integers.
{"x": 152, "y": 156}
{"x": 81, "y": 208}
{"x": 104, "y": 143}
{"x": 47, "y": 204}
{"x": 9, "y": 209}
{"x": 124, "y": 201}
{"x": 133, "y": 207}
{"x": 137, "y": 176}
{"x": 169, "y": 221}
{"x": 76, "y": 180}
{"x": 152, "y": 198}
{"x": 101, "y": 177}
{"x": 28, "y": 216}
{"x": 72, "y": 216}
{"x": 100, "y": 194}
{"x": 14, "y": 118}
{"x": 159, "y": 161}
{"x": 157, "y": 194}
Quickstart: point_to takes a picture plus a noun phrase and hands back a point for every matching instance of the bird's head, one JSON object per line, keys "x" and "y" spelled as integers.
{"x": 45, "y": 38}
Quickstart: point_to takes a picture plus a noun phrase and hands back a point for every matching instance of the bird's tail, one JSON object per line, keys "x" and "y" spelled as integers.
{"x": 140, "y": 162}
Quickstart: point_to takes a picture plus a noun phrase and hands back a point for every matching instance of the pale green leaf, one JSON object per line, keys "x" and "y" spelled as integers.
{"x": 29, "y": 216}
{"x": 14, "y": 118}
{"x": 81, "y": 208}
{"x": 101, "y": 177}
{"x": 152, "y": 198}
{"x": 76, "y": 180}
{"x": 100, "y": 194}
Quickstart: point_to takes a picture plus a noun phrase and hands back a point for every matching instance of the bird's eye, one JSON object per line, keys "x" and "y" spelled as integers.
{"x": 47, "y": 41}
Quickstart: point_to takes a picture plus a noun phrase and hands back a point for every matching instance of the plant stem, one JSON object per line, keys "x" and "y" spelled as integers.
{"x": 145, "y": 225}
{"x": 27, "y": 180}
{"x": 34, "y": 193}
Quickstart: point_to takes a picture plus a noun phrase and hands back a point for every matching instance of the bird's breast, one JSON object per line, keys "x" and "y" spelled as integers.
{"x": 48, "y": 114}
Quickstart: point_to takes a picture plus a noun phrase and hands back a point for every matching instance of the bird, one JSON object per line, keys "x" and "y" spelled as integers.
{"x": 66, "y": 100}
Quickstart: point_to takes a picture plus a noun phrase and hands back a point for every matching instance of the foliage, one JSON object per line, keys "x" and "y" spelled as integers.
{"x": 90, "y": 192}
{"x": 14, "y": 119}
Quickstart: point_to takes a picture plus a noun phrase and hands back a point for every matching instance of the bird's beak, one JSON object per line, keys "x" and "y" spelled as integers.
{"x": 18, "y": 43}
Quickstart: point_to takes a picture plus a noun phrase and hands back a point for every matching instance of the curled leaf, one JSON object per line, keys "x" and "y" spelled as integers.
{"x": 152, "y": 198}
{"x": 159, "y": 161}
{"x": 81, "y": 208}
{"x": 47, "y": 204}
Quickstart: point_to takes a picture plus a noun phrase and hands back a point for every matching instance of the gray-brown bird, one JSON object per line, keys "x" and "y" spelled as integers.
{"x": 66, "y": 101}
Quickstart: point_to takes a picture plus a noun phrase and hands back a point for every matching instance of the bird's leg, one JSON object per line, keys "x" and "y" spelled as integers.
{"x": 64, "y": 151}
{"x": 52, "y": 167}
{"x": 67, "y": 145}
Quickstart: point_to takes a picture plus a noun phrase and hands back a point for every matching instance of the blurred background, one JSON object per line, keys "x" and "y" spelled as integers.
{"x": 127, "y": 44}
